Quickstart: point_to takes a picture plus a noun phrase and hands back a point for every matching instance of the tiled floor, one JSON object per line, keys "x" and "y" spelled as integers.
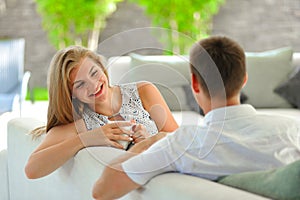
{"x": 36, "y": 110}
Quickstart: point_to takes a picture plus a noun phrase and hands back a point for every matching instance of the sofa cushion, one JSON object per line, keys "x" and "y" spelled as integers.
{"x": 166, "y": 70}
{"x": 170, "y": 74}
{"x": 290, "y": 90}
{"x": 266, "y": 70}
{"x": 280, "y": 183}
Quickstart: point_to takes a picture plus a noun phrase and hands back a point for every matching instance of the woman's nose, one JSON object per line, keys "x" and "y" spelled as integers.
{"x": 92, "y": 85}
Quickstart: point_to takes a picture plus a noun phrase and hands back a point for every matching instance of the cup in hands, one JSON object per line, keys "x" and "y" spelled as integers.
{"x": 127, "y": 129}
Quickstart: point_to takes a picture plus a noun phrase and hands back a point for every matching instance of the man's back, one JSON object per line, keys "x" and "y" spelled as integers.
{"x": 232, "y": 139}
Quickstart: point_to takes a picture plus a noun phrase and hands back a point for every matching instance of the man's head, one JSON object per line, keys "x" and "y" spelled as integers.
{"x": 218, "y": 58}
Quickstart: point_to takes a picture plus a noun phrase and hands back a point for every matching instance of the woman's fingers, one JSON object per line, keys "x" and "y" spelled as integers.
{"x": 116, "y": 145}
{"x": 140, "y": 133}
{"x": 124, "y": 137}
{"x": 120, "y": 124}
{"x": 116, "y": 128}
{"x": 120, "y": 127}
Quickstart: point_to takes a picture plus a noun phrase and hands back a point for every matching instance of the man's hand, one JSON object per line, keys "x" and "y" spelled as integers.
{"x": 114, "y": 182}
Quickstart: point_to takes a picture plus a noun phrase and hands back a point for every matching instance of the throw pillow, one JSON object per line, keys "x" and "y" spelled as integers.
{"x": 266, "y": 70}
{"x": 280, "y": 183}
{"x": 167, "y": 70}
{"x": 290, "y": 90}
{"x": 169, "y": 73}
{"x": 243, "y": 98}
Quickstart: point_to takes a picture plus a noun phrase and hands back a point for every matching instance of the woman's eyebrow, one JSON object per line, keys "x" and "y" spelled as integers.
{"x": 91, "y": 69}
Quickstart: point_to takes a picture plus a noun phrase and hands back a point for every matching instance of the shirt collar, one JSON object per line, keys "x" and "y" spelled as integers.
{"x": 229, "y": 112}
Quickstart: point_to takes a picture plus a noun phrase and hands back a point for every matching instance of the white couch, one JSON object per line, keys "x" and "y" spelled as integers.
{"x": 74, "y": 180}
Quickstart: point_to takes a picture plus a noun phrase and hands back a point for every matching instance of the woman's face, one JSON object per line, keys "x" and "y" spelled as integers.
{"x": 89, "y": 84}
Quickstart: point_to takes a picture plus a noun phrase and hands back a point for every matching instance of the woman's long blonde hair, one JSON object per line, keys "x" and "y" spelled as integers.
{"x": 62, "y": 109}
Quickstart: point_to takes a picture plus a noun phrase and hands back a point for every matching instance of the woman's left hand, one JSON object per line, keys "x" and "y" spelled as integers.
{"x": 140, "y": 133}
{"x": 146, "y": 143}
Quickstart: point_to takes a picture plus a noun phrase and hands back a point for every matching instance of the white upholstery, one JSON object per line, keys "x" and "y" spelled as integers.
{"x": 74, "y": 180}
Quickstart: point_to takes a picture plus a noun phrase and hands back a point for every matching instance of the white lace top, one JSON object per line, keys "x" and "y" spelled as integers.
{"x": 131, "y": 106}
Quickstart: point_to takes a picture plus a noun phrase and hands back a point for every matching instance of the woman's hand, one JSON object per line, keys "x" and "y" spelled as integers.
{"x": 107, "y": 135}
{"x": 146, "y": 143}
{"x": 140, "y": 133}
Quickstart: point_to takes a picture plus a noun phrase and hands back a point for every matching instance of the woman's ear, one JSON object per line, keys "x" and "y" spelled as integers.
{"x": 195, "y": 83}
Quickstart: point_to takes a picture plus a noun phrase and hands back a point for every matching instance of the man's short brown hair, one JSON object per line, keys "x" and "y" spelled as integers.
{"x": 223, "y": 56}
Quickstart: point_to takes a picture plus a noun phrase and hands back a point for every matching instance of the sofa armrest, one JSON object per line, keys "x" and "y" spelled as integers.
{"x": 296, "y": 59}
{"x": 3, "y": 174}
{"x": 74, "y": 180}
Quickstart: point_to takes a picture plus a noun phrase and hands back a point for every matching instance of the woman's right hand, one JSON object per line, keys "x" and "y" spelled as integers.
{"x": 107, "y": 135}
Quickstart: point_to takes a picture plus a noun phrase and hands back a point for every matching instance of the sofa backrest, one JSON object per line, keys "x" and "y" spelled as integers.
{"x": 171, "y": 74}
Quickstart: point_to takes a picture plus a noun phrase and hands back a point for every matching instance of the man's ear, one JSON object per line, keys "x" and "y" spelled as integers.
{"x": 195, "y": 83}
{"x": 245, "y": 79}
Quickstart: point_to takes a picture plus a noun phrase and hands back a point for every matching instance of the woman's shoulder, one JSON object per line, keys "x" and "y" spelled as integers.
{"x": 134, "y": 84}
{"x": 140, "y": 87}
{"x": 145, "y": 86}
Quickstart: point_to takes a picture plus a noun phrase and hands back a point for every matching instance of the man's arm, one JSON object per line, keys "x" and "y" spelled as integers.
{"x": 114, "y": 182}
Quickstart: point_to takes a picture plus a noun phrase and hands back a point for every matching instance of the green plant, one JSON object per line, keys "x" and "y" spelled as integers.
{"x": 189, "y": 17}
{"x": 74, "y": 22}
{"x": 37, "y": 94}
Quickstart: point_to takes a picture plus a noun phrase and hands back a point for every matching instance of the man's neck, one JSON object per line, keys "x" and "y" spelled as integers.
{"x": 217, "y": 103}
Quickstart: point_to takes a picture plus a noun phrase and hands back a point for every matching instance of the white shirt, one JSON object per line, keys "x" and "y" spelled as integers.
{"x": 232, "y": 139}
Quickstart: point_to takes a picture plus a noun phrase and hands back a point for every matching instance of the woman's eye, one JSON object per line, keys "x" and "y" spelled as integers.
{"x": 94, "y": 73}
{"x": 80, "y": 85}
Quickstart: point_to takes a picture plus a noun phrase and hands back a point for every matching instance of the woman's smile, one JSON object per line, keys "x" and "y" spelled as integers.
{"x": 98, "y": 92}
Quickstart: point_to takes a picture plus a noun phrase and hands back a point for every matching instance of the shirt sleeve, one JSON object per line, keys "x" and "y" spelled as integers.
{"x": 156, "y": 160}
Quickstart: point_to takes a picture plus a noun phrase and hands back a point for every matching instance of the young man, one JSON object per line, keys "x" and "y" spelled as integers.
{"x": 234, "y": 138}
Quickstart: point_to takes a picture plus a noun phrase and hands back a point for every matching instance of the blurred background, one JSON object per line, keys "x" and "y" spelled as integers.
{"x": 48, "y": 25}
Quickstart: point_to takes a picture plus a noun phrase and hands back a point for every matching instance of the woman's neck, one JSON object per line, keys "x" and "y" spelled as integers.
{"x": 112, "y": 103}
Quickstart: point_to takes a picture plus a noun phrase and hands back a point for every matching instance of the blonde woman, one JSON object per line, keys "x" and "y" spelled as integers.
{"x": 81, "y": 106}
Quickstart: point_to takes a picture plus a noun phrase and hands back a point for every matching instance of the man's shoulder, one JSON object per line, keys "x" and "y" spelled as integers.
{"x": 187, "y": 133}
{"x": 277, "y": 118}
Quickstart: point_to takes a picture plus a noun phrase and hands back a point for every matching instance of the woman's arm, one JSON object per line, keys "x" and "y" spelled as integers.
{"x": 63, "y": 142}
{"x": 59, "y": 145}
{"x": 158, "y": 109}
